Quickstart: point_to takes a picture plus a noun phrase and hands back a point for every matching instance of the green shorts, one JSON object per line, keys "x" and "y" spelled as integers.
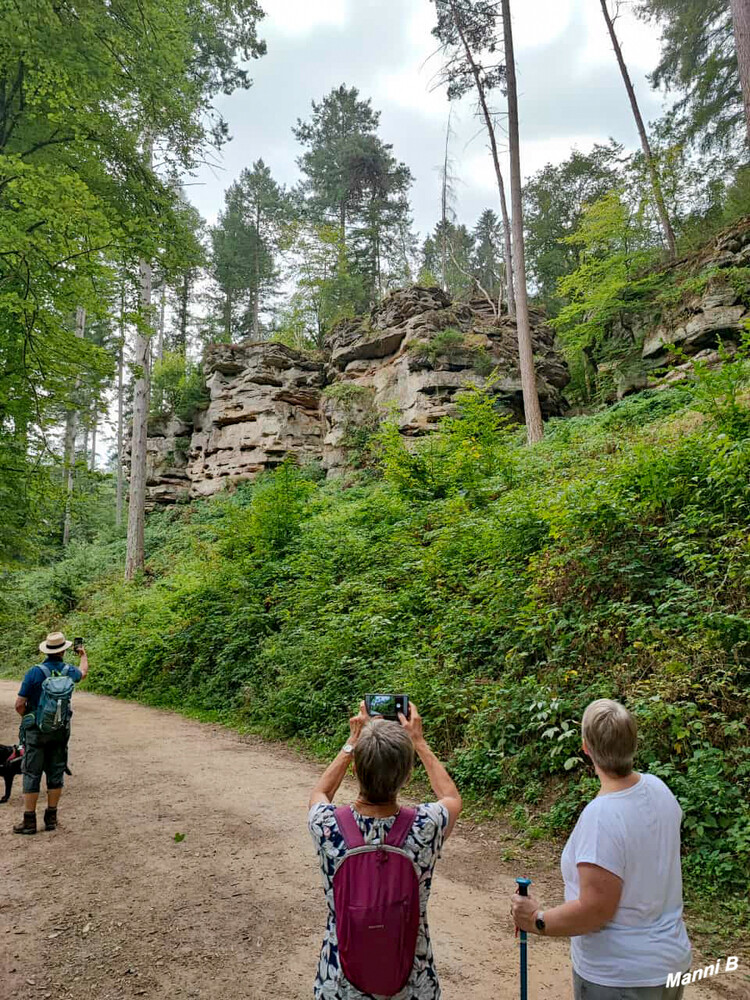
{"x": 46, "y": 753}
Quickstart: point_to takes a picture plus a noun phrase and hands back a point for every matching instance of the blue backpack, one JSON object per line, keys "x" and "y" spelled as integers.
{"x": 53, "y": 711}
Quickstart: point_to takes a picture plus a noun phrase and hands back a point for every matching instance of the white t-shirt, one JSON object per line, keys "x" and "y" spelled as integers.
{"x": 635, "y": 834}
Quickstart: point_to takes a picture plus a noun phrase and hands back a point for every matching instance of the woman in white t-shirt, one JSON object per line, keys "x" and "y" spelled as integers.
{"x": 622, "y": 874}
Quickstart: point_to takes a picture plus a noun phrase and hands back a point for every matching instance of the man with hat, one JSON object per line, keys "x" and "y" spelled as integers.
{"x": 46, "y": 752}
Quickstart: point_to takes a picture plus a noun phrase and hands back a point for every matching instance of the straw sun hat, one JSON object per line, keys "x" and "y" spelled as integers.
{"x": 55, "y": 643}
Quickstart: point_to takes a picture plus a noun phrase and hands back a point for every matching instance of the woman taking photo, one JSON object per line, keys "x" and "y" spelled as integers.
{"x": 376, "y": 854}
{"x": 622, "y": 874}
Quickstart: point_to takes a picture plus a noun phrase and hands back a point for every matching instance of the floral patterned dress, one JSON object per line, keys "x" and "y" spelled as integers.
{"x": 423, "y": 844}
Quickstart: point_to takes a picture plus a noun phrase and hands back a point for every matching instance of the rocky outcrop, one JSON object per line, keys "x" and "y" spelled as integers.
{"x": 410, "y": 357}
{"x": 414, "y": 353}
{"x": 709, "y": 303}
{"x": 265, "y": 404}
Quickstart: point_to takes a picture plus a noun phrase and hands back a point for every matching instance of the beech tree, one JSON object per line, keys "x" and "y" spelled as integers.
{"x": 653, "y": 169}
{"x": 468, "y": 33}
{"x": 532, "y": 409}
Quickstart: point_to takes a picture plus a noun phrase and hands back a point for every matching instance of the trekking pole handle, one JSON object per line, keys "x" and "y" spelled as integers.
{"x": 523, "y": 886}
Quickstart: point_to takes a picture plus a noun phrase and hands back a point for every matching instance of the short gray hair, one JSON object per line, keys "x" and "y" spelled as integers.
{"x": 611, "y": 736}
{"x": 384, "y": 760}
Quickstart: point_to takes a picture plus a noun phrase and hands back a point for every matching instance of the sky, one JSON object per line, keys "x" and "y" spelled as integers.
{"x": 571, "y": 93}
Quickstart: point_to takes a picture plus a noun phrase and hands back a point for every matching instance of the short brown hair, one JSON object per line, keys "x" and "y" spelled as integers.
{"x": 611, "y": 736}
{"x": 384, "y": 759}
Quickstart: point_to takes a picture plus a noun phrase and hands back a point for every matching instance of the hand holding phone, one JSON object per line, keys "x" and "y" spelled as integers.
{"x": 387, "y": 706}
{"x": 78, "y": 645}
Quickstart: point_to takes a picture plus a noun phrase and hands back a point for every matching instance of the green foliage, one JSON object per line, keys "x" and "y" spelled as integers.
{"x": 502, "y": 586}
{"x": 699, "y": 63}
{"x": 177, "y": 387}
{"x": 718, "y": 390}
{"x": 86, "y": 89}
{"x": 554, "y": 203}
{"x": 615, "y": 253}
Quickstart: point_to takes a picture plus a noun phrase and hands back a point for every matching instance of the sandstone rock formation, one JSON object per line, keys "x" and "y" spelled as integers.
{"x": 714, "y": 306}
{"x": 409, "y": 357}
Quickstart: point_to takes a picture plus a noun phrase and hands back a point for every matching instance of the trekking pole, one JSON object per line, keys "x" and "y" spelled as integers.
{"x": 523, "y": 890}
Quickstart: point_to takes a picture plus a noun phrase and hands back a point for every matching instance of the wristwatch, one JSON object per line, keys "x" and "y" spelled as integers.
{"x": 539, "y": 922}
{"x": 348, "y": 748}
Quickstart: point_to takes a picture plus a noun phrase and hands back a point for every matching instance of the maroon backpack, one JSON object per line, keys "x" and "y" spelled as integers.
{"x": 376, "y": 897}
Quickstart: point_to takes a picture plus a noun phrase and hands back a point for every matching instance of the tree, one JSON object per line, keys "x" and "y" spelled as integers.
{"x": 532, "y": 409}
{"x": 246, "y": 244}
{"x": 699, "y": 61}
{"x": 741, "y": 20}
{"x": 653, "y": 169}
{"x": 450, "y": 250}
{"x": 554, "y": 201}
{"x": 487, "y": 256}
{"x": 352, "y": 179}
{"x": 616, "y": 249}
{"x": 467, "y": 31}
{"x": 80, "y": 87}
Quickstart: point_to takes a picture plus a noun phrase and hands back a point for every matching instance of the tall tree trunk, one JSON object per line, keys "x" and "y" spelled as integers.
{"x": 120, "y": 413}
{"x": 490, "y": 126}
{"x": 256, "y": 296}
{"x": 162, "y": 316}
{"x": 71, "y": 433}
{"x": 184, "y": 310}
{"x": 653, "y": 170}
{"x": 135, "y": 557}
{"x": 532, "y": 409}
{"x": 135, "y": 553}
{"x": 94, "y": 419}
{"x": 741, "y": 18}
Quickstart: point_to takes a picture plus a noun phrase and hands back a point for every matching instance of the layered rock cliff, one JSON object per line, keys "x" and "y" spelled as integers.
{"x": 696, "y": 303}
{"x": 409, "y": 357}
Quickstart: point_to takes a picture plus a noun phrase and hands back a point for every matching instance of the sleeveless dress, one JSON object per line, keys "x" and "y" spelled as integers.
{"x": 423, "y": 844}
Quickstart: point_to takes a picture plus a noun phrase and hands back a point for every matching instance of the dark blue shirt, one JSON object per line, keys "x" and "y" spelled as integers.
{"x": 31, "y": 685}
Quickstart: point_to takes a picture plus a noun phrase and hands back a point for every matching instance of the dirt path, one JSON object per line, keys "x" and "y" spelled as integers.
{"x": 110, "y": 906}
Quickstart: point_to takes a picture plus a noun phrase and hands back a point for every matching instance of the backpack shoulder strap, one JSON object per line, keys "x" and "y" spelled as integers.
{"x": 400, "y": 829}
{"x": 46, "y": 671}
{"x": 347, "y": 824}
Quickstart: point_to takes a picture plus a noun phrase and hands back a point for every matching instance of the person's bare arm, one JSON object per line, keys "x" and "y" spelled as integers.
{"x": 21, "y": 705}
{"x": 442, "y": 784}
{"x": 597, "y": 903}
{"x": 83, "y": 666}
{"x": 329, "y": 782}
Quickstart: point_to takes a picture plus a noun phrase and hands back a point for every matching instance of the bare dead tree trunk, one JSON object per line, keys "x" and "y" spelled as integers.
{"x": 444, "y": 207}
{"x": 532, "y": 409}
{"x": 741, "y": 18}
{"x": 120, "y": 413}
{"x": 135, "y": 553}
{"x": 653, "y": 169}
{"x": 71, "y": 433}
{"x": 490, "y": 126}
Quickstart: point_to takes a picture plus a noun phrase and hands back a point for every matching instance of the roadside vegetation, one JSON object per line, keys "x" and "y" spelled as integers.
{"x": 502, "y": 586}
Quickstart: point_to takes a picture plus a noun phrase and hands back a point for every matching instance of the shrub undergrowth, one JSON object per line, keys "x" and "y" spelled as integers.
{"x": 502, "y": 586}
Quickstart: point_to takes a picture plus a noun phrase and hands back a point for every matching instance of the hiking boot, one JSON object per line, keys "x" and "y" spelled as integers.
{"x": 28, "y": 825}
{"x": 50, "y": 818}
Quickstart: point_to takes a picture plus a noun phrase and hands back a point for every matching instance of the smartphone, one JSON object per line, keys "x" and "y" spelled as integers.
{"x": 387, "y": 706}
{"x": 78, "y": 644}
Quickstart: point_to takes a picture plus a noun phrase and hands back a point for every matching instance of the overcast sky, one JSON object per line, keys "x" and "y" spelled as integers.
{"x": 571, "y": 92}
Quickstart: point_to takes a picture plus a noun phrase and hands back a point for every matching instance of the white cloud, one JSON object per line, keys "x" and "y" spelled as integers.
{"x": 299, "y": 17}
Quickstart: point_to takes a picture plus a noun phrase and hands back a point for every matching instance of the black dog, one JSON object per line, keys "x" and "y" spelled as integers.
{"x": 9, "y": 770}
